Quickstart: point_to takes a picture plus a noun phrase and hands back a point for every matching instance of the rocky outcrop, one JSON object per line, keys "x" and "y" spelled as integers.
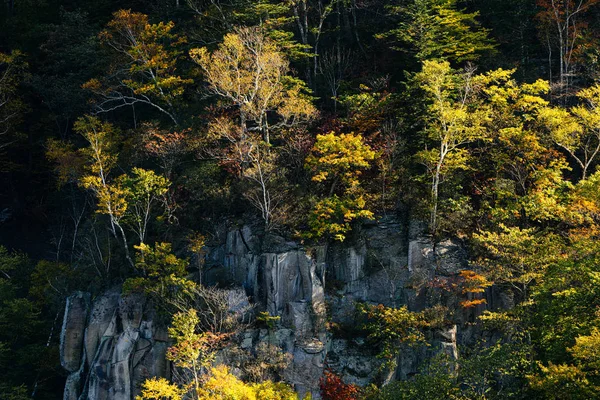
{"x": 386, "y": 263}
{"x": 73, "y": 328}
{"x": 112, "y": 344}
{"x": 110, "y": 347}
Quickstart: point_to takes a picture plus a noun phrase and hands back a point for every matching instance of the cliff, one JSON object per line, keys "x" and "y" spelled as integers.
{"x": 110, "y": 344}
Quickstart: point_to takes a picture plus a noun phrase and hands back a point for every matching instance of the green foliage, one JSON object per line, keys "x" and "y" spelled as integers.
{"x": 438, "y": 30}
{"x": 333, "y": 216}
{"x": 453, "y": 119}
{"x": 190, "y": 350}
{"x": 432, "y": 383}
{"x": 390, "y": 328}
{"x": 164, "y": 276}
{"x": 559, "y": 382}
{"x": 265, "y": 318}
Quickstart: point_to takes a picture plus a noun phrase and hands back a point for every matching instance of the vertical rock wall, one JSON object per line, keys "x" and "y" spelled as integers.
{"x": 109, "y": 345}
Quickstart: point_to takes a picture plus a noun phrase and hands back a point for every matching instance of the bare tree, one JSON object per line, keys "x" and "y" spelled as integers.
{"x": 333, "y": 65}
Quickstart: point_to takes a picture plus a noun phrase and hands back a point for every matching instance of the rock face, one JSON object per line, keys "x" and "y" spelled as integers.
{"x": 386, "y": 263}
{"x": 110, "y": 345}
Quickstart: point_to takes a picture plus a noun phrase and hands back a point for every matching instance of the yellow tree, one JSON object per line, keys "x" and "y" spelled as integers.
{"x": 143, "y": 189}
{"x": 250, "y": 71}
{"x": 101, "y": 158}
{"x": 146, "y": 65}
{"x": 577, "y": 131}
{"x": 129, "y": 200}
{"x": 223, "y": 385}
{"x": 338, "y": 161}
{"x": 160, "y": 389}
{"x": 453, "y": 121}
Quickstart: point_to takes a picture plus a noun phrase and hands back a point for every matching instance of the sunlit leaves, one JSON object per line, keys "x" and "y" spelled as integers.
{"x": 391, "y": 327}
{"x": 339, "y": 158}
{"x": 147, "y": 56}
{"x": 159, "y": 389}
{"x": 338, "y": 162}
{"x": 249, "y": 70}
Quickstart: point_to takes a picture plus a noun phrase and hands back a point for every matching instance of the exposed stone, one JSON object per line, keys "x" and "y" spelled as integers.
{"x": 73, "y": 328}
{"x": 123, "y": 346}
{"x": 388, "y": 262}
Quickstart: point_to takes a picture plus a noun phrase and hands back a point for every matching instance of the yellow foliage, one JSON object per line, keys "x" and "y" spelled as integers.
{"x": 339, "y": 157}
{"x": 562, "y": 382}
{"x": 249, "y": 70}
{"x": 222, "y": 385}
{"x": 587, "y": 350}
{"x": 159, "y": 389}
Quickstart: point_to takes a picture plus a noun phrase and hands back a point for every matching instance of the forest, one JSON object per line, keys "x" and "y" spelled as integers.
{"x": 151, "y": 150}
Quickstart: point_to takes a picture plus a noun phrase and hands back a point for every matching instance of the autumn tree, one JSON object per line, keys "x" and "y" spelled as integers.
{"x": 565, "y": 19}
{"x": 143, "y": 190}
{"x": 191, "y": 351}
{"x": 577, "y": 131}
{"x": 145, "y": 70}
{"x": 249, "y": 71}
{"x": 130, "y": 201}
{"x": 169, "y": 148}
{"x": 162, "y": 275}
{"x": 337, "y": 162}
{"x": 453, "y": 120}
{"x": 159, "y": 389}
{"x": 223, "y": 385}
{"x": 101, "y": 159}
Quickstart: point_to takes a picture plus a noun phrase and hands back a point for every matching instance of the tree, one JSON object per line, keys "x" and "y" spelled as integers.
{"x": 145, "y": 70}
{"x": 564, "y": 18}
{"x": 168, "y": 147}
{"x": 453, "y": 120}
{"x": 333, "y": 388}
{"x": 390, "y": 328}
{"x": 13, "y": 70}
{"x": 192, "y": 352}
{"x": 101, "y": 158}
{"x": 438, "y": 30}
{"x": 517, "y": 257}
{"x": 268, "y": 190}
{"x": 129, "y": 200}
{"x": 164, "y": 275}
{"x": 338, "y": 160}
{"x": 249, "y": 71}
{"x": 142, "y": 190}
{"x": 222, "y": 385}
{"x": 577, "y": 131}
{"x": 159, "y": 389}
